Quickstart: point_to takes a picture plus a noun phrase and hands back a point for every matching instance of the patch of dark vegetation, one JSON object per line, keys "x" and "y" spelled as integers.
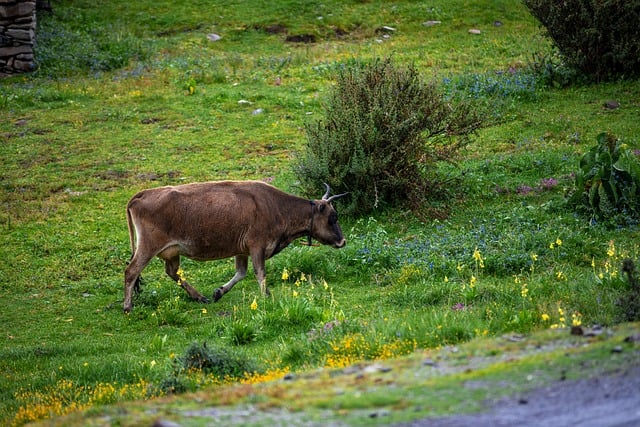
{"x": 301, "y": 38}
{"x": 630, "y": 302}
{"x": 150, "y": 120}
{"x": 272, "y": 28}
{"x": 113, "y": 174}
{"x": 152, "y": 176}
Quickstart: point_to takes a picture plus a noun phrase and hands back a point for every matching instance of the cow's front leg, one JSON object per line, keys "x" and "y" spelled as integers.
{"x": 172, "y": 267}
{"x": 258, "y": 261}
{"x": 242, "y": 262}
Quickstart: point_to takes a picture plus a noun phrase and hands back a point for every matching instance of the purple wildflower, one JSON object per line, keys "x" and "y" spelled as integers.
{"x": 459, "y": 306}
{"x": 548, "y": 183}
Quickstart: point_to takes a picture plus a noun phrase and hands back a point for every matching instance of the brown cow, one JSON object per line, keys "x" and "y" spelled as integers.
{"x": 214, "y": 220}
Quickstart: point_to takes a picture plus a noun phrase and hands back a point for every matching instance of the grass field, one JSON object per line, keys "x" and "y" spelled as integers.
{"x": 132, "y": 95}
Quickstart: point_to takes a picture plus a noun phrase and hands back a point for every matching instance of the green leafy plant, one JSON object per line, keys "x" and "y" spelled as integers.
{"x": 608, "y": 181}
{"x": 383, "y": 131}
{"x": 241, "y": 333}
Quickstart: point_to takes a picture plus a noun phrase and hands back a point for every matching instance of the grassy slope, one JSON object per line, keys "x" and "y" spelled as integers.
{"x": 76, "y": 149}
{"x": 455, "y": 380}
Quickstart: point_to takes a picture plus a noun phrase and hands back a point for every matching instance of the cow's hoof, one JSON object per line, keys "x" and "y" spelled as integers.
{"x": 217, "y": 294}
{"x": 203, "y": 300}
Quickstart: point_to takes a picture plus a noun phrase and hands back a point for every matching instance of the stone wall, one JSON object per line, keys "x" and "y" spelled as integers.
{"x": 17, "y": 36}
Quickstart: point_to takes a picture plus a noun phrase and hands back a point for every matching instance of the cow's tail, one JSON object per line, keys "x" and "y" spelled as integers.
{"x": 137, "y": 287}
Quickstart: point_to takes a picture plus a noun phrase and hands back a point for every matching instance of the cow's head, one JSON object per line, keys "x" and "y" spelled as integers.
{"x": 325, "y": 227}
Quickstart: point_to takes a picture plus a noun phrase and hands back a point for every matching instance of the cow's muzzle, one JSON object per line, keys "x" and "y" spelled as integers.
{"x": 340, "y": 244}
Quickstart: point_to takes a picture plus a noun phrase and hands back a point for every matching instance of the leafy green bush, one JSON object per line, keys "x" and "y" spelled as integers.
{"x": 599, "y": 38}
{"x": 608, "y": 182}
{"x": 383, "y": 131}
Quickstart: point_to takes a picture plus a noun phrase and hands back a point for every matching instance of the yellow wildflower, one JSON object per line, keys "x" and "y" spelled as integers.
{"x": 545, "y": 317}
{"x": 576, "y": 319}
{"x": 285, "y": 274}
{"x": 254, "y": 304}
{"x": 611, "y": 250}
{"x": 478, "y": 258}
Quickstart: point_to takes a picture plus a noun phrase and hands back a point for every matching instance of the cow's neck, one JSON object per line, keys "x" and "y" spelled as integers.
{"x": 313, "y": 214}
{"x": 301, "y": 218}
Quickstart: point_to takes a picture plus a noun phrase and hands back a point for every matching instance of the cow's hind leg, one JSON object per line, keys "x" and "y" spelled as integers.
{"x": 132, "y": 279}
{"x": 242, "y": 261}
{"x": 171, "y": 267}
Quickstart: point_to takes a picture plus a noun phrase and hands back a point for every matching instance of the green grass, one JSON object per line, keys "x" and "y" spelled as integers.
{"x": 76, "y": 148}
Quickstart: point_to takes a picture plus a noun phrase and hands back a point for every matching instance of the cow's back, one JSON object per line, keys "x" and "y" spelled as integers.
{"x": 207, "y": 220}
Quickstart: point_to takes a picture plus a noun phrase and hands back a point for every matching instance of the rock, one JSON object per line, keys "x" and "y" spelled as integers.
{"x": 213, "y": 37}
{"x": 431, "y": 23}
{"x": 633, "y": 338}
{"x": 475, "y": 31}
{"x": 165, "y": 423}
{"x": 376, "y": 367}
{"x": 429, "y": 362}
{"x": 611, "y": 105}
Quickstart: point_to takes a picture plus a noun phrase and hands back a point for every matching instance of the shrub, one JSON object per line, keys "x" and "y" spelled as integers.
{"x": 599, "y": 38}
{"x": 217, "y": 361}
{"x": 383, "y": 131}
{"x": 607, "y": 185}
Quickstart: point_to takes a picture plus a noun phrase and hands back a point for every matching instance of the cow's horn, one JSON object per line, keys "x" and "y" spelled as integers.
{"x": 332, "y": 198}
{"x": 328, "y": 191}
{"x": 337, "y": 196}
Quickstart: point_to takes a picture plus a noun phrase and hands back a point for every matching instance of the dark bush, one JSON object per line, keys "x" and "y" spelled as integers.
{"x": 383, "y": 131}
{"x": 600, "y": 38}
{"x": 217, "y": 361}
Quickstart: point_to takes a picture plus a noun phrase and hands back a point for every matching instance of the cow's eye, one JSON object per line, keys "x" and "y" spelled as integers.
{"x": 333, "y": 218}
